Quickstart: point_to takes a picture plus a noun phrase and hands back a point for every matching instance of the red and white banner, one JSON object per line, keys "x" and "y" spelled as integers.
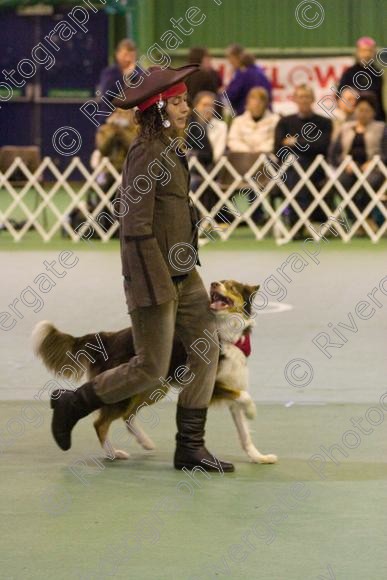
{"x": 321, "y": 73}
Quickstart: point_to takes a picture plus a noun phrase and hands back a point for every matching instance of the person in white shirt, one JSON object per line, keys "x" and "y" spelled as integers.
{"x": 253, "y": 131}
{"x": 211, "y": 146}
{"x": 216, "y": 129}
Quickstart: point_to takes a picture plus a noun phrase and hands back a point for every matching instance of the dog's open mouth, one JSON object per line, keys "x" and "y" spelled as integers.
{"x": 220, "y": 302}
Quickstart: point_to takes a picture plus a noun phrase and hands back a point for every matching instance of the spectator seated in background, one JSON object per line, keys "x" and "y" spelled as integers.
{"x": 126, "y": 56}
{"x": 362, "y": 139}
{"x": 216, "y": 129}
{"x": 366, "y": 51}
{"x": 113, "y": 140}
{"x": 213, "y": 143}
{"x": 205, "y": 79}
{"x": 289, "y": 134}
{"x": 345, "y": 110}
{"x": 253, "y": 131}
{"x": 246, "y": 76}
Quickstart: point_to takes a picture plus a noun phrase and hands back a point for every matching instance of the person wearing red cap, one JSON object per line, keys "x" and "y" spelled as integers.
{"x": 164, "y": 292}
{"x": 365, "y": 75}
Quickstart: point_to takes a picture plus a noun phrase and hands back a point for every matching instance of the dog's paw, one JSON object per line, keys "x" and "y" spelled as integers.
{"x": 270, "y": 458}
{"x": 120, "y": 454}
{"x": 256, "y": 457}
{"x": 147, "y": 443}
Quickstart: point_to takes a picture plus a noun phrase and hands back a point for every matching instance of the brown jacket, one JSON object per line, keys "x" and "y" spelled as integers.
{"x": 157, "y": 214}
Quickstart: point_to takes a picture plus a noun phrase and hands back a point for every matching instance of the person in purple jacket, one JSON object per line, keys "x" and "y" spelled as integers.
{"x": 246, "y": 76}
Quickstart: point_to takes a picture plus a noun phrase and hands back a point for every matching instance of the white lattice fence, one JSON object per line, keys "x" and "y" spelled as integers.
{"x": 331, "y": 198}
{"x": 47, "y": 185}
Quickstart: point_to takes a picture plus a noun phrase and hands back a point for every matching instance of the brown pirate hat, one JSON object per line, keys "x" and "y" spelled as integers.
{"x": 156, "y": 80}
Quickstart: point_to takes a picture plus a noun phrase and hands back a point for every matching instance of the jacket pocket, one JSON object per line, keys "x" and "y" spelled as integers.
{"x": 149, "y": 279}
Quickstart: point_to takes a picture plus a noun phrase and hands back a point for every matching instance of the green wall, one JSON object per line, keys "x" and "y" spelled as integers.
{"x": 267, "y": 26}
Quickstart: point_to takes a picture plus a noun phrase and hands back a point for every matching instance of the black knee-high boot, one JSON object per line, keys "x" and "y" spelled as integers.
{"x": 69, "y": 407}
{"x": 190, "y": 449}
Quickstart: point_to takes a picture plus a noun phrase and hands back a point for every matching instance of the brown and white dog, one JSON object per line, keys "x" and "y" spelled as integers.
{"x": 230, "y": 301}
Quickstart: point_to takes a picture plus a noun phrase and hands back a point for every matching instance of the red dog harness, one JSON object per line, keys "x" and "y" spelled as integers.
{"x": 244, "y": 344}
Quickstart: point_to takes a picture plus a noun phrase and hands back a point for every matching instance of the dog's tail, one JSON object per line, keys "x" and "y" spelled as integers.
{"x": 54, "y": 347}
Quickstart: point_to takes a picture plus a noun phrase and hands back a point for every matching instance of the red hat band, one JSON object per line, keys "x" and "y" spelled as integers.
{"x": 173, "y": 91}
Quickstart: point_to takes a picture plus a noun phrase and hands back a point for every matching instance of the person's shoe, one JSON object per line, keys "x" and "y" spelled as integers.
{"x": 69, "y": 407}
{"x": 190, "y": 449}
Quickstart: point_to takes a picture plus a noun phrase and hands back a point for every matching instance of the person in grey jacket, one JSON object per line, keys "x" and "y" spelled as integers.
{"x": 362, "y": 139}
{"x": 164, "y": 292}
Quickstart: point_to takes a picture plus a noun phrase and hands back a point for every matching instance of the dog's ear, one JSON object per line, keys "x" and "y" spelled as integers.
{"x": 252, "y": 289}
{"x": 248, "y": 291}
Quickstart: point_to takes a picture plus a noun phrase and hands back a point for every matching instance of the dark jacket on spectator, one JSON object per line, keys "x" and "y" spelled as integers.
{"x": 241, "y": 83}
{"x": 109, "y": 77}
{"x": 376, "y": 87}
{"x": 293, "y": 124}
{"x": 202, "y": 80}
{"x": 375, "y": 141}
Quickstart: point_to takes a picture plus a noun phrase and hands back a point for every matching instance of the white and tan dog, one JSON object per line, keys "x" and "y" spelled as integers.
{"x": 230, "y": 301}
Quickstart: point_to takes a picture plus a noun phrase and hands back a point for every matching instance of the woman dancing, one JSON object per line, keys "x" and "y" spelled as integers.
{"x": 164, "y": 292}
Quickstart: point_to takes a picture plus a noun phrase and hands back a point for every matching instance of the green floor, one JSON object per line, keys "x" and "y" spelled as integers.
{"x": 141, "y": 519}
{"x": 66, "y": 516}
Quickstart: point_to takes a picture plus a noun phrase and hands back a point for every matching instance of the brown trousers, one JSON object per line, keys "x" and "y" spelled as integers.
{"x": 153, "y": 327}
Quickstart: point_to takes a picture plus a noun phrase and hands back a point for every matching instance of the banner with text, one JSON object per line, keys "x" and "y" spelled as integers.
{"x": 321, "y": 73}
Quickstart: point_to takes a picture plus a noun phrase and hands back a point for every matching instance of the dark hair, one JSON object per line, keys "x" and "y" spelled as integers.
{"x": 367, "y": 98}
{"x": 236, "y": 50}
{"x": 247, "y": 59}
{"x": 150, "y": 123}
{"x": 200, "y": 95}
{"x": 196, "y": 54}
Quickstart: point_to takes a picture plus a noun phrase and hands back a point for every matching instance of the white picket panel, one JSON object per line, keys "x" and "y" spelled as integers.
{"x": 272, "y": 221}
